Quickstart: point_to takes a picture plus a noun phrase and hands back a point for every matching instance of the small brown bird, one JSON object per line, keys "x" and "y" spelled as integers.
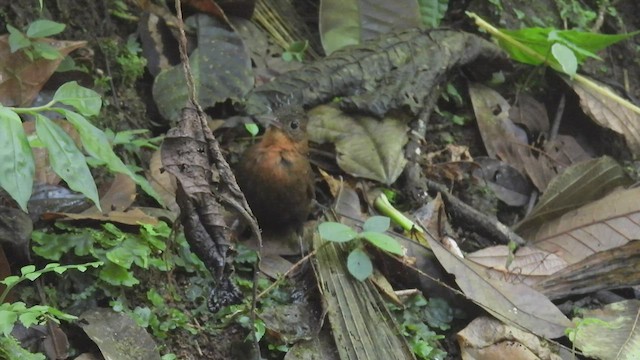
{"x": 275, "y": 174}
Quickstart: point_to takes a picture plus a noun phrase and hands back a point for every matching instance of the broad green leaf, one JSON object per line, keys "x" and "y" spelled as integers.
{"x": 86, "y": 101}
{"x": 252, "y": 129}
{"x": 7, "y": 319}
{"x": 32, "y": 316}
{"x": 27, "y": 269}
{"x": 65, "y": 158}
{"x": 46, "y": 51}
{"x": 17, "y": 40}
{"x": 336, "y": 232}
{"x": 377, "y": 224}
{"x": 43, "y": 28}
{"x": 383, "y": 241}
{"x": 359, "y": 264}
{"x": 566, "y": 58}
{"x": 17, "y": 167}
{"x": 96, "y": 144}
{"x": 432, "y": 12}
{"x": 584, "y": 44}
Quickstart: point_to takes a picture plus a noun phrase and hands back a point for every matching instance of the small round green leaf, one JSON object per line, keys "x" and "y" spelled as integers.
{"x": 377, "y": 224}
{"x": 252, "y": 129}
{"x": 359, "y": 264}
{"x": 27, "y": 269}
{"x": 383, "y": 241}
{"x": 336, "y": 232}
{"x": 43, "y": 28}
{"x": 566, "y": 58}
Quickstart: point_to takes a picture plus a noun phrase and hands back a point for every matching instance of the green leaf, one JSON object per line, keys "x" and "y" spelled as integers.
{"x": 336, "y": 232}
{"x": 31, "y": 317}
{"x": 86, "y": 101}
{"x": 17, "y": 167}
{"x": 252, "y": 129}
{"x": 10, "y": 280}
{"x": 377, "y": 224}
{"x": 66, "y": 159}
{"x": 432, "y": 12}
{"x": 96, "y": 144}
{"x": 27, "y": 269}
{"x": 359, "y": 264}
{"x": 43, "y": 28}
{"x": 383, "y": 241}
{"x": 566, "y": 58}
{"x": 17, "y": 40}
{"x": 542, "y": 39}
{"x": 46, "y": 51}
{"x": 7, "y": 320}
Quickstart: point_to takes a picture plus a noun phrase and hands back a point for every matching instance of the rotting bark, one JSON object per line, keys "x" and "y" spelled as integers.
{"x": 395, "y": 71}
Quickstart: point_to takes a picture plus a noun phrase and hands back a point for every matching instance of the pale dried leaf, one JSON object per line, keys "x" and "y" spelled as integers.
{"x": 488, "y": 339}
{"x": 598, "y": 226}
{"x": 581, "y": 183}
{"x": 513, "y": 303}
{"x": 504, "y": 140}
{"x": 605, "y": 108}
{"x": 528, "y": 265}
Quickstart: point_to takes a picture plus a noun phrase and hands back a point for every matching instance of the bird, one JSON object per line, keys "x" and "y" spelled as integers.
{"x": 275, "y": 174}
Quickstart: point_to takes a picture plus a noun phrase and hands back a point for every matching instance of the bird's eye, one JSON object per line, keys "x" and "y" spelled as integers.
{"x": 295, "y": 124}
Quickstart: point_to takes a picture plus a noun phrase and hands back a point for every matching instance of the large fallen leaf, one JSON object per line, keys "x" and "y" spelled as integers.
{"x": 366, "y": 147}
{"x": 611, "y": 332}
{"x": 504, "y": 140}
{"x": 118, "y": 336}
{"x": 487, "y": 339}
{"x": 21, "y": 78}
{"x": 601, "y": 225}
{"x": 610, "y": 111}
{"x": 577, "y": 185}
{"x": 221, "y": 68}
{"x": 528, "y": 264}
{"x": 349, "y": 22}
{"x": 511, "y": 302}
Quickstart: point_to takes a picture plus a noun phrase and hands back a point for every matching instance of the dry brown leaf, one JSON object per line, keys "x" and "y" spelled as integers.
{"x": 20, "y": 78}
{"x": 133, "y": 216}
{"x": 513, "y": 303}
{"x": 163, "y": 182}
{"x": 603, "y": 106}
{"x": 504, "y": 140}
{"x": 529, "y": 265}
{"x": 488, "y": 339}
{"x": 598, "y": 226}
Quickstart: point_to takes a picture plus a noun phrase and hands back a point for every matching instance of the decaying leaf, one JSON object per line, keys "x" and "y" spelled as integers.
{"x": 351, "y": 22}
{"x": 506, "y": 141}
{"x": 605, "y": 108}
{"x": 221, "y": 68}
{"x": 366, "y": 147}
{"x": 511, "y": 302}
{"x": 21, "y": 78}
{"x": 118, "y": 336}
{"x": 598, "y": 226}
{"x": 528, "y": 264}
{"x": 576, "y": 186}
{"x": 610, "y": 332}
{"x": 488, "y": 339}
